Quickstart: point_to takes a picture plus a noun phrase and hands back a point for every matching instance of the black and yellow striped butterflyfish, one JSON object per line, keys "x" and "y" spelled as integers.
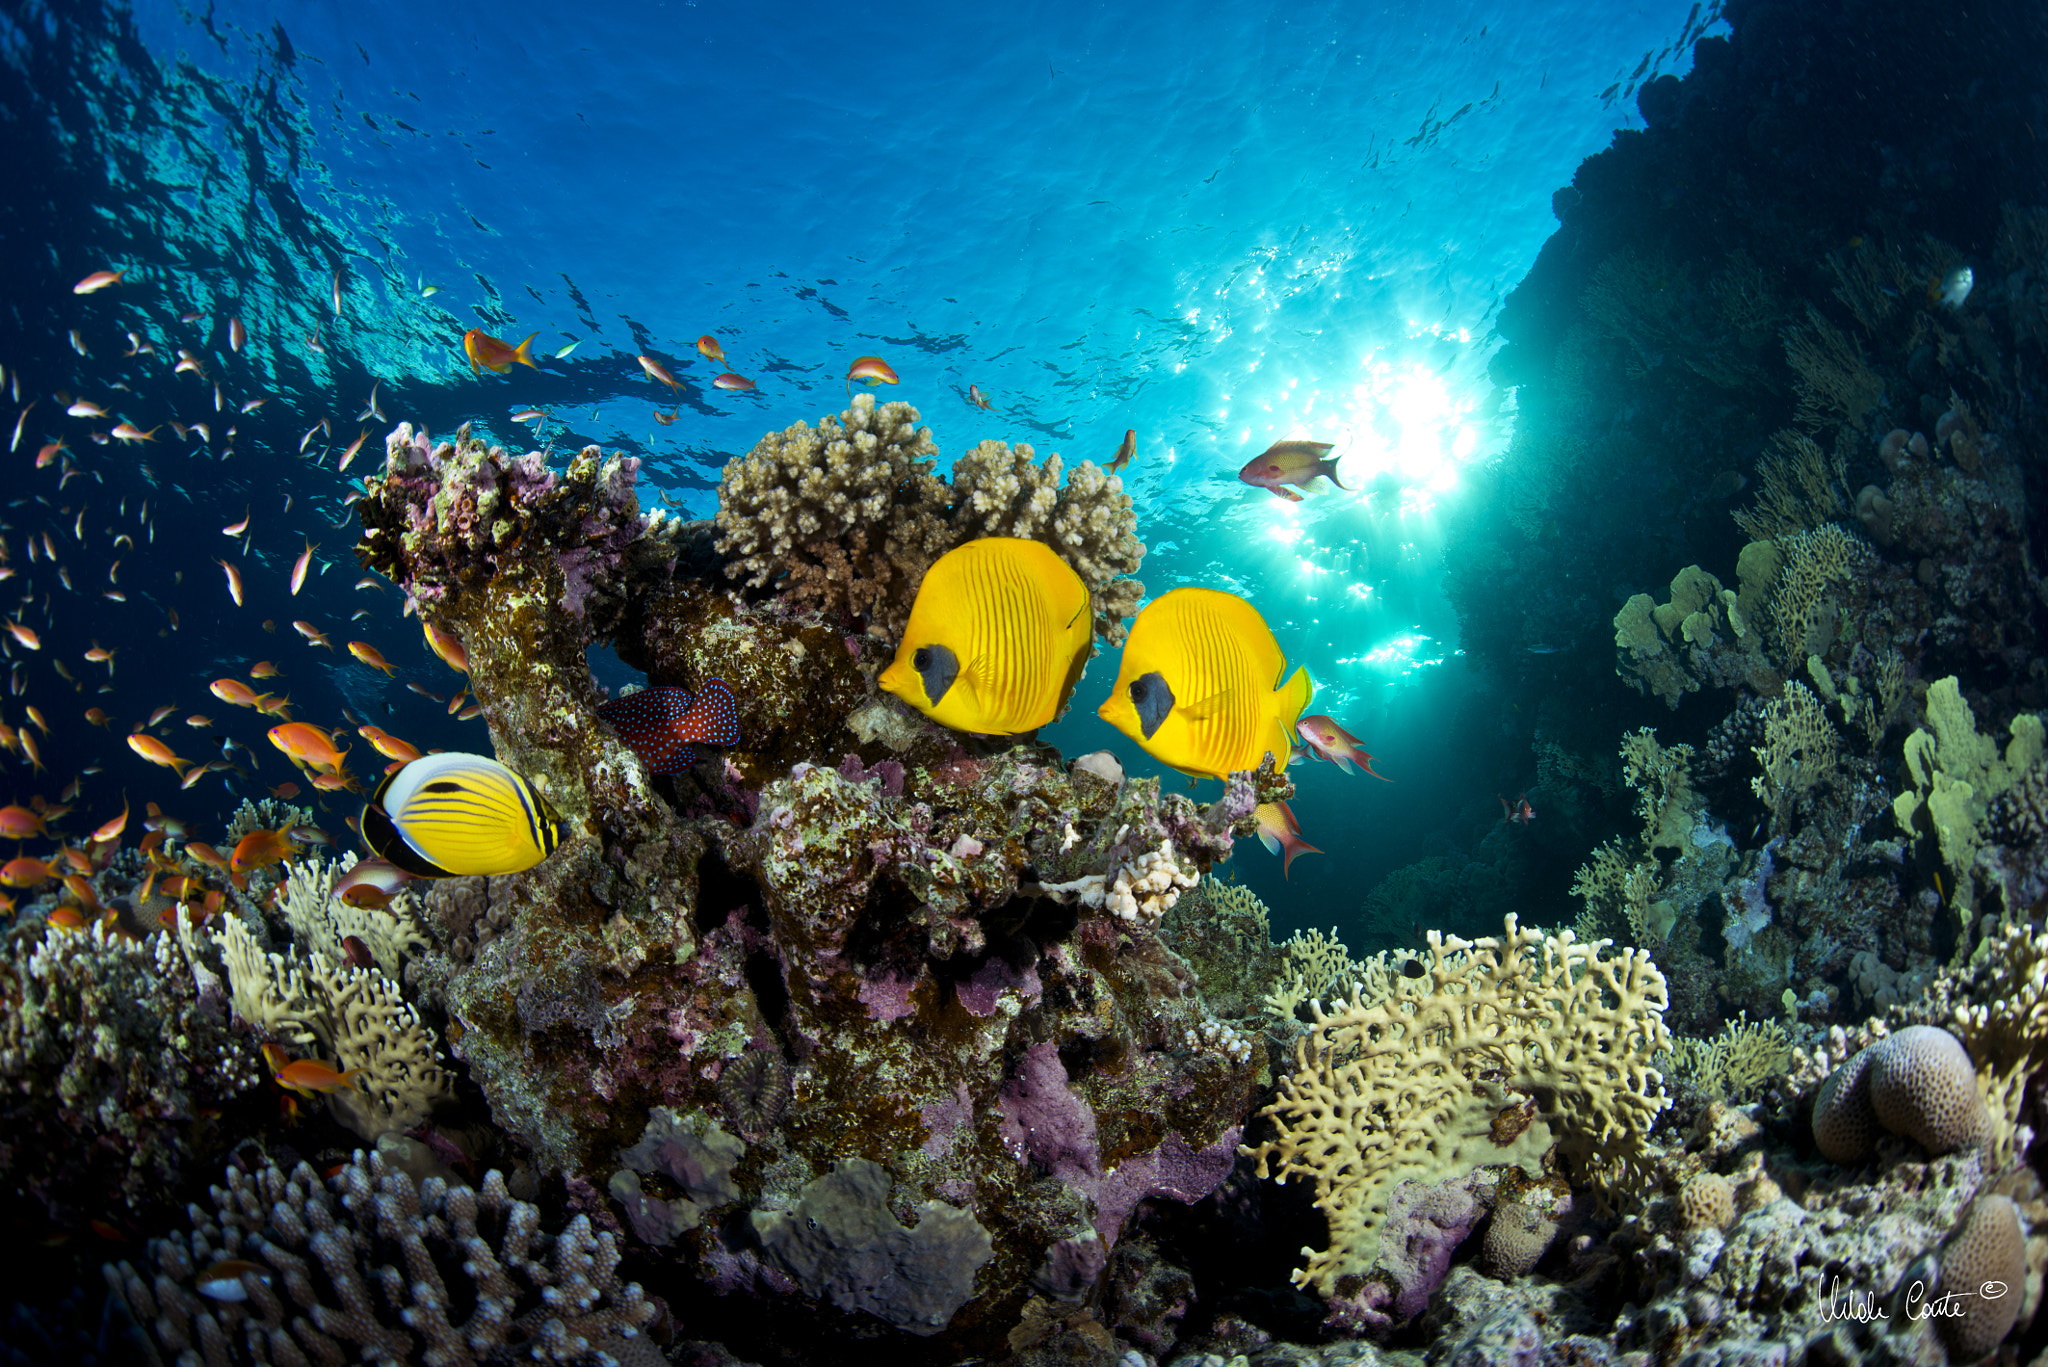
{"x": 449, "y": 815}
{"x": 997, "y": 638}
{"x": 1200, "y": 685}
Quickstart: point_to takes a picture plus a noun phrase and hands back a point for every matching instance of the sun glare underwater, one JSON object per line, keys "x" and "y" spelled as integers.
{"x": 670, "y": 660}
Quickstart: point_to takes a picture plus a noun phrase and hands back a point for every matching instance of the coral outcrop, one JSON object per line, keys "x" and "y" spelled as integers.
{"x": 849, "y": 515}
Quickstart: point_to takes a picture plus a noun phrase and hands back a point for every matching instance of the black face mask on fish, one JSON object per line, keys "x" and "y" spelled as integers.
{"x": 1153, "y": 699}
{"x": 937, "y": 667}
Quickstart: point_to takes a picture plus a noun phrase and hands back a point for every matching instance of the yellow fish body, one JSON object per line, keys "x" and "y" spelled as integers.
{"x": 997, "y": 639}
{"x": 449, "y": 815}
{"x": 1200, "y": 685}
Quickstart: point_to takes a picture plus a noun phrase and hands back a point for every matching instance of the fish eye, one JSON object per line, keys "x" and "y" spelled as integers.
{"x": 922, "y": 660}
{"x": 1139, "y": 687}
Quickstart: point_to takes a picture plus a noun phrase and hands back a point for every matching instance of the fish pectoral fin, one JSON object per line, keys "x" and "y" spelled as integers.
{"x": 1285, "y": 493}
{"x": 1204, "y": 708}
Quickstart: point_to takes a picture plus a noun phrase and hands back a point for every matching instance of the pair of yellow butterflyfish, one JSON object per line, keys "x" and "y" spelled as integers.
{"x": 999, "y": 635}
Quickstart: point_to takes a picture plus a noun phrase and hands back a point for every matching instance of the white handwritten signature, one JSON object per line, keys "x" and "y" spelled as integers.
{"x": 1848, "y": 1303}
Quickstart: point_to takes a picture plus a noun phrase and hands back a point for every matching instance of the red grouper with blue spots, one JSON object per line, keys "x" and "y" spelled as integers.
{"x": 664, "y": 726}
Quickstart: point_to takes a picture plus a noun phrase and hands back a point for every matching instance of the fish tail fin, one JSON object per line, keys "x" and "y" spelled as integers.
{"x": 523, "y": 353}
{"x": 1327, "y": 467}
{"x": 1366, "y": 764}
{"x": 1295, "y": 845}
{"x": 1290, "y": 701}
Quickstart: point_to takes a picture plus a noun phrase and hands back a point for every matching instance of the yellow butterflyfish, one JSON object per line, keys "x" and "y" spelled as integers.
{"x": 1200, "y": 685}
{"x": 997, "y": 638}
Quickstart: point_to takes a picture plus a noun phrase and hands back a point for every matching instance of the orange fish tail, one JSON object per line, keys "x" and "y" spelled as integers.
{"x": 523, "y": 353}
{"x": 1295, "y": 845}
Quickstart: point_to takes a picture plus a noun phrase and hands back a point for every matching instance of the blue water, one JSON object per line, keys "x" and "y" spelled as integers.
{"x": 1216, "y": 225}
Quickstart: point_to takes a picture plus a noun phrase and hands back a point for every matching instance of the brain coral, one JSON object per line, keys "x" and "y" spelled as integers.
{"x": 1918, "y": 1083}
{"x": 1923, "y": 1086}
{"x": 1707, "y": 1202}
{"x": 1989, "y": 1251}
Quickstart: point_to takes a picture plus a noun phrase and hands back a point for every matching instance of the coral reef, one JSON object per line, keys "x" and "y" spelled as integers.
{"x": 111, "y": 1052}
{"x": 848, "y": 515}
{"x": 869, "y": 968}
{"x": 315, "y": 1271}
{"x": 1444, "y": 1077}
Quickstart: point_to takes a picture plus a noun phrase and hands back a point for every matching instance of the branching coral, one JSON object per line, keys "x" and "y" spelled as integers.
{"x": 1498, "y": 1054}
{"x": 1650, "y": 883}
{"x": 848, "y": 515}
{"x": 322, "y": 922}
{"x": 1799, "y": 749}
{"x": 356, "y": 1016}
{"x": 110, "y": 1049}
{"x": 479, "y": 1280}
{"x": 1803, "y": 614}
{"x": 1316, "y": 964}
{"x": 998, "y": 491}
{"x": 1732, "y": 1065}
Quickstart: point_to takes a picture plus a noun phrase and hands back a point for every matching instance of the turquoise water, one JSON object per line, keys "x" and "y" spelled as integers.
{"x": 1217, "y": 226}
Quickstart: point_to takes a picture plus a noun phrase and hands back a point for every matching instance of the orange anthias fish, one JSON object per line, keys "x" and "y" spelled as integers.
{"x": 656, "y": 370}
{"x": 372, "y": 882}
{"x": 313, "y": 634}
{"x": 307, "y": 1076}
{"x": 111, "y": 830}
{"x": 709, "y": 349}
{"x": 259, "y": 850}
{"x": 871, "y": 370}
{"x": 156, "y": 752}
{"x": 1278, "y": 831}
{"x": 307, "y": 745}
{"x": 370, "y": 656}
{"x": 353, "y": 447}
{"x": 491, "y": 353}
{"x": 264, "y": 669}
{"x": 98, "y": 280}
{"x": 388, "y": 745}
{"x": 1291, "y": 462}
{"x": 300, "y": 566}
{"x": 233, "y": 691}
{"x": 739, "y": 384}
{"x": 234, "y": 580}
{"x": 1327, "y": 740}
{"x": 24, "y": 872}
{"x": 446, "y": 645}
{"x": 1125, "y": 451}
{"x": 19, "y": 823}
{"x": 976, "y": 397}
